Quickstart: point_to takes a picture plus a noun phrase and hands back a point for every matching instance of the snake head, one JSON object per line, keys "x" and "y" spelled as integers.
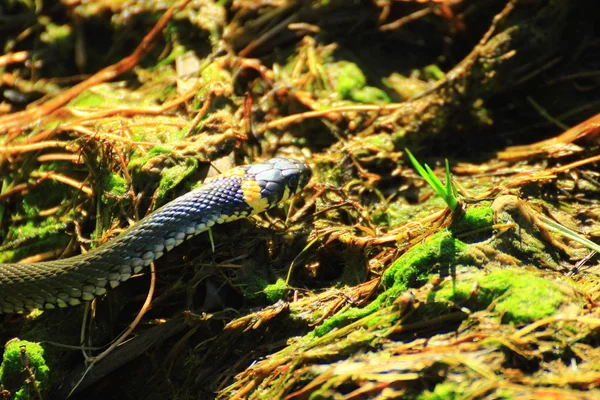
{"x": 275, "y": 181}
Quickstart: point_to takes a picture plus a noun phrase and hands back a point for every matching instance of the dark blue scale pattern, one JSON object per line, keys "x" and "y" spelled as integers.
{"x": 28, "y": 285}
{"x": 220, "y": 197}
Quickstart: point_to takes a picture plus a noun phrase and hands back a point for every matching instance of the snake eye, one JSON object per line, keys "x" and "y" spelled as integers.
{"x": 293, "y": 180}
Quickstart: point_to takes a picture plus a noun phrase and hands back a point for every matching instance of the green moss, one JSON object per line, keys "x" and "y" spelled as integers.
{"x": 354, "y": 269}
{"x": 50, "y": 326}
{"x": 433, "y": 72}
{"x": 138, "y": 161}
{"x": 212, "y": 77}
{"x": 171, "y": 177}
{"x": 459, "y": 390}
{"x": 34, "y": 237}
{"x": 13, "y": 374}
{"x": 58, "y": 40}
{"x": 525, "y": 241}
{"x": 163, "y": 168}
{"x": 346, "y": 77}
{"x": 455, "y": 292}
{"x": 474, "y": 218}
{"x": 87, "y": 99}
{"x": 345, "y": 317}
{"x": 27, "y": 233}
{"x": 349, "y": 82}
{"x": 441, "y": 251}
{"x": 370, "y": 95}
{"x": 400, "y": 212}
{"x": 406, "y": 87}
{"x": 256, "y": 282}
{"x": 54, "y": 33}
{"x": 436, "y": 255}
{"x": 376, "y": 143}
{"x": 47, "y": 195}
{"x": 52, "y": 242}
{"x": 252, "y": 287}
{"x": 443, "y": 391}
{"x": 276, "y": 291}
{"x": 329, "y": 173}
{"x": 113, "y": 95}
{"x": 518, "y": 296}
{"x": 114, "y": 185}
{"x": 177, "y": 51}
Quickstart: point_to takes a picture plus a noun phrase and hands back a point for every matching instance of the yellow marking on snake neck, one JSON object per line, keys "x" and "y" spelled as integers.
{"x": 286, "y": 194}
{"x": 251, "y": 191}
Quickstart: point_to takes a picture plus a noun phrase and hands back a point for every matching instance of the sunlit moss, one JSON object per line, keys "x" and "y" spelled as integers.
{"x": 114, "y": 185}
{"x": 20, "y": 358}
{"x": 30, "y": 234}
{"x": 276, "y": 291}
{"x": 436, "y": 254}
{"x": 517, "y": 296}
{"x": 520, "y": 296}
{"x": 473, "y": 218}
{"x": 370, "y": 95}
{"x": 350, "y": 83}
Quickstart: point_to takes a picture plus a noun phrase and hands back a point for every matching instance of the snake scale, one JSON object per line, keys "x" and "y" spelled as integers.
{"x": 240, "y": 192}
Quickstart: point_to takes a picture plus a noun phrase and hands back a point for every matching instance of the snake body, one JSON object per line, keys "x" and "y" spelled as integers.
{"x": 238, "y": 193}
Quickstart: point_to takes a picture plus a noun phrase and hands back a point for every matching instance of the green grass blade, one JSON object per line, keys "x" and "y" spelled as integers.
{"x": 450, "y": 189}
{"x": 448, "y": 180}
{"x": 439, "y": 186}
{"x": 419, "y": 168}
{"x": 563, "y": 230}
{"x": 446, "y": 192}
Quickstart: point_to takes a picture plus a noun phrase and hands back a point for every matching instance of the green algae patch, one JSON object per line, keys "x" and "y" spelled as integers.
{"x": 518, "y": 296}
{"x": 22, "y": 361}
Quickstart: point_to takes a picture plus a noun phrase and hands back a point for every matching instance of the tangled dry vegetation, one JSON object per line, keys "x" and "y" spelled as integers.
{"x": 364, "y": 286}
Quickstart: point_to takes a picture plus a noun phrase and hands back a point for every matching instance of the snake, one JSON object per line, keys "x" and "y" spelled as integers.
{"x": 241, "y": 192}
